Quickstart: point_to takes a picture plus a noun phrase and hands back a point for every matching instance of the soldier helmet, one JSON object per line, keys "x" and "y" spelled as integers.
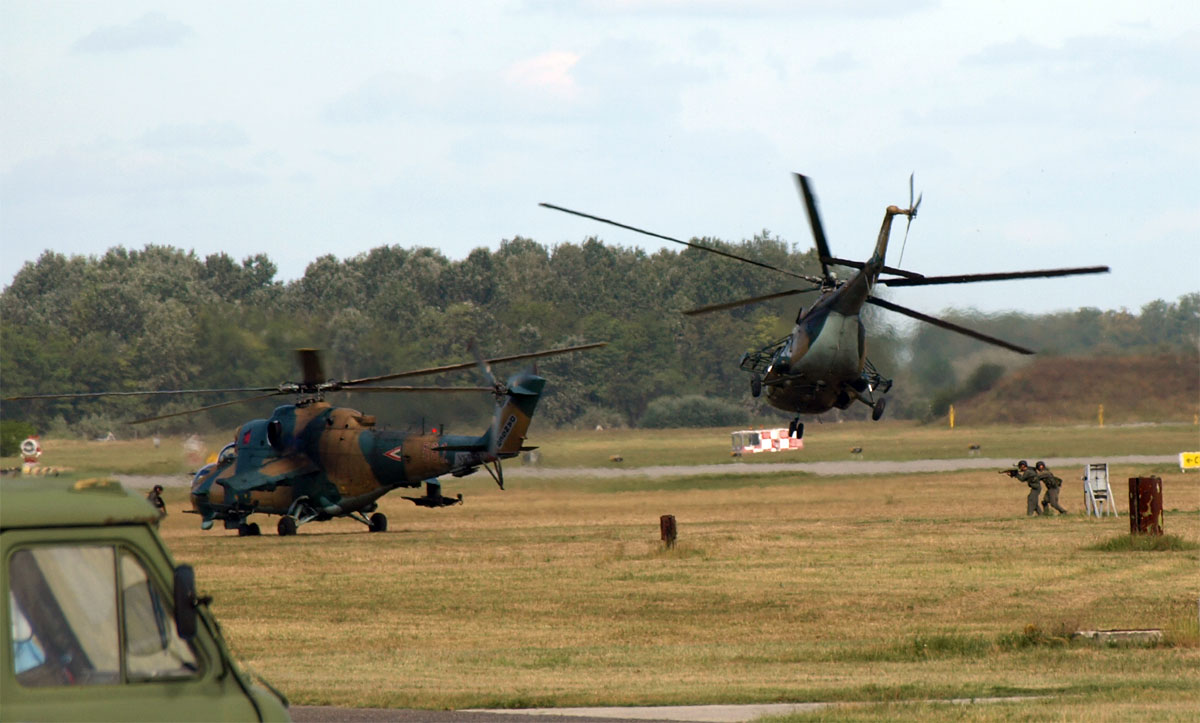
{"x": 158, "y": 488}
{"x": 1022, "y": 463}
{"x": 1040, "y": 465}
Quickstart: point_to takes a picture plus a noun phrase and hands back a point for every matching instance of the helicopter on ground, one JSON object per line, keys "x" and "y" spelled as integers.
{"x": 822, "y": 363}
{"x": 311, "y": 461}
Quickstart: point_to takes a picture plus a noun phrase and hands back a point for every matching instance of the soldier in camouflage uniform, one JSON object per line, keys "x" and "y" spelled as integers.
{"x": 1029, "y": 477}
{"x": 1046, "y": 477}
{"x": 155, "y": 498}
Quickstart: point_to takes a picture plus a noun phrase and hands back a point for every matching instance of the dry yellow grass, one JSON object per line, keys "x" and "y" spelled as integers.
{"x": 782, "y": 588}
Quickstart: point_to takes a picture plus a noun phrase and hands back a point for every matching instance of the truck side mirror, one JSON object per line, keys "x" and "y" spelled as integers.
{"x": 185, "y": 601}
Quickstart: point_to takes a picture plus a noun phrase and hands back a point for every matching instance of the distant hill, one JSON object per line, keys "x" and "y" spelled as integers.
{"x": 1062, "y": 390}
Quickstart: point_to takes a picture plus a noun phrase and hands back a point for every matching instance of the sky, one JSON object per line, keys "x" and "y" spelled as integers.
{"x": 1041, "y": 134}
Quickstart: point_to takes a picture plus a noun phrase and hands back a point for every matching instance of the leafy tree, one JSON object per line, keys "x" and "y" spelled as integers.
{"x": 692, "y": 410}
{"x": 12, "y": 433}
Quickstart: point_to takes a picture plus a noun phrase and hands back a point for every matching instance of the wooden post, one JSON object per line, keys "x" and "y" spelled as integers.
{"x": 666, "y": 525}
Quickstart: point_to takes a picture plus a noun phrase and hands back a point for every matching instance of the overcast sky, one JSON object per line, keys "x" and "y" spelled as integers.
{"x": 1042, "y": 134}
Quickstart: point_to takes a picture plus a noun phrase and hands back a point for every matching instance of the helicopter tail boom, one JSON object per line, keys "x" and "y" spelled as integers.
{"x": 514, "y": 411}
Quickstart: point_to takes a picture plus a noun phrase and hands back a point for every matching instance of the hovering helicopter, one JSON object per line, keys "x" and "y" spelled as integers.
{"x": 311, "y": 461}
{"x": 822, "y": 363}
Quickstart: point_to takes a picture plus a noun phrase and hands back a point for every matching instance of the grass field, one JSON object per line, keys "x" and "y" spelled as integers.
{"x": 893, "y": 591}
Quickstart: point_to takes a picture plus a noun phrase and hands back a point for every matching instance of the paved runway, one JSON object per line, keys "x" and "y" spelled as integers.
{"x": 840, "y": 468}
{"x": 630, "y": 714}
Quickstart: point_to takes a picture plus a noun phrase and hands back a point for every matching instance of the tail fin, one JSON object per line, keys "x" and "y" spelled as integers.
{"x": 881, "y": 244}
{"x": 514, "y": 411}
{"x": 886, "y": 229}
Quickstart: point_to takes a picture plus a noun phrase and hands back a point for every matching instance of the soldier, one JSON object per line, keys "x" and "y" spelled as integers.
{"x": 1023, "y": 474}
{"x": 1046, "y": 477}
{"x": 155, "y": 498}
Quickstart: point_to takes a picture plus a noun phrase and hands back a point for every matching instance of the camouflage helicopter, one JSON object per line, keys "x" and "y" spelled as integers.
{"x": 822, "y": 363}
{"x": 311, "y": 461}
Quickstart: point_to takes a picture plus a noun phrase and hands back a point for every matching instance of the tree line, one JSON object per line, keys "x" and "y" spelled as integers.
{"x": 164, "y": 318}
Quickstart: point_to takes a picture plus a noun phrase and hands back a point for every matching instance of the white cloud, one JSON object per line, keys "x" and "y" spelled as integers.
{"x": 212, "y": 135}
{"x": 549, "y": 71}
{"x": 108, "y": 168}
{"x": 152, "y": 30}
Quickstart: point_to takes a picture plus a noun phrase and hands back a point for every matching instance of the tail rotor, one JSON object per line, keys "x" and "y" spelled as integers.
{"x": 911, "y": 213}
{"x": 498, "y": 391}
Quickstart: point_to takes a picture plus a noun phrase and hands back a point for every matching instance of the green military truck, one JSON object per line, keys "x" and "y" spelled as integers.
{"x": 101, "y": 624}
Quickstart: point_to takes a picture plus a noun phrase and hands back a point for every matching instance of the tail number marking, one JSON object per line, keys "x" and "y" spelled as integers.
{"x": 504, "y": 432}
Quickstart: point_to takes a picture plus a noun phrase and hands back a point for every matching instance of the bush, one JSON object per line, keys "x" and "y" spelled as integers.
{"x": 692, "y": 410}
{"x": 982, "y": 379}
{"x": 12, "y": 433}
{"x": 598, "y": 416}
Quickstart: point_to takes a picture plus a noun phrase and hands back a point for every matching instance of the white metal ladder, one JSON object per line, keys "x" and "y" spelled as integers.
{"x": 1097, "y": 495}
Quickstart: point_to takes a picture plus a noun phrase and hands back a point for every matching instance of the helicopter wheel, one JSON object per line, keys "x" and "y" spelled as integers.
{"x": 253, "y": 530}
{"x": 799, "y": 429}
{"x": 755, "y": 386}
{"x": 877, "y": 409}
{"x": 287, "y": 526}
{"x": 378, "y": 523}
{"x": 244, "y": 530}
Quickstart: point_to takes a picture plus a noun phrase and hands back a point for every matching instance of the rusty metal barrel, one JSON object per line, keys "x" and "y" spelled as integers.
{"x": 666, "y": 525}
{"x": 1145, "y": 506}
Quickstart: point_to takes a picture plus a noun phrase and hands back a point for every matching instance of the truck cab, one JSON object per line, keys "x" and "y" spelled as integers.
{"x": 100, "y": 623}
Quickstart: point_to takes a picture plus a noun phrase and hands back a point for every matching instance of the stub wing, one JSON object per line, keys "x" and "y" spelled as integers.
{"x": 279, "y": 471}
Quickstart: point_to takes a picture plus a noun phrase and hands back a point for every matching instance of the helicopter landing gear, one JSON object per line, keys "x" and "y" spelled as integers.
{"x": 378, "y": 523}
{"x": 756, "y": 386}
{"x": 796, "y": 428}
{"x": 250, "y": 530}
{"x": 287, "y": 526}
{"x": 877, "y": 409}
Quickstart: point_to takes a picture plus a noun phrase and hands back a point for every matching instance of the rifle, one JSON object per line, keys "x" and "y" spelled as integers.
{"x": 1010, "y": 472}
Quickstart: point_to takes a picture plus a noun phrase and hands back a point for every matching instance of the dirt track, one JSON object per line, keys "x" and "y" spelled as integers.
{"x": 833, "y": 468}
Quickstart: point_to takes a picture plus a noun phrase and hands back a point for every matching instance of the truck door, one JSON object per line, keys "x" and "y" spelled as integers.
{"x": 92, "y": 637}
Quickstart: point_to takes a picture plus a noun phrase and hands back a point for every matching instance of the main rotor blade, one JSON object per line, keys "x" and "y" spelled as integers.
{"x": 467, "y": 365}
{"x": 1001, "y": 276}
{"x": 701, "y": 247}
{"x": 814, "y": 221}
{"x": 886, "y": 269}
{"x": 310, "y": 364}
{"x": 419, "y": 389}
{"x": 205, "y": 409}
{"x": 747, "y": 302}
{"x": 485, "y": 369}
{"x": 946, "y": 325}
{"x": 87, "y": 395}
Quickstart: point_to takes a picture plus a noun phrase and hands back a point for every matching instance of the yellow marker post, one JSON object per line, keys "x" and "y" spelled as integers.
{"x": 1100, "y": 414}
{"x": 951, "y": 416}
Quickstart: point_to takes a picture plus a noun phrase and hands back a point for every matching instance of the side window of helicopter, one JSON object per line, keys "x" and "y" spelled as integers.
{"x": 70, "y": 626}
{"x": 275, "y": 435}
{"x": 228, "y": 453}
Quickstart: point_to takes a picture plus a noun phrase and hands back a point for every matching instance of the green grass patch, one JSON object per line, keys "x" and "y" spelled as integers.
{"x": 1034, "y": 637}
{"x": 1145, "y": 543}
